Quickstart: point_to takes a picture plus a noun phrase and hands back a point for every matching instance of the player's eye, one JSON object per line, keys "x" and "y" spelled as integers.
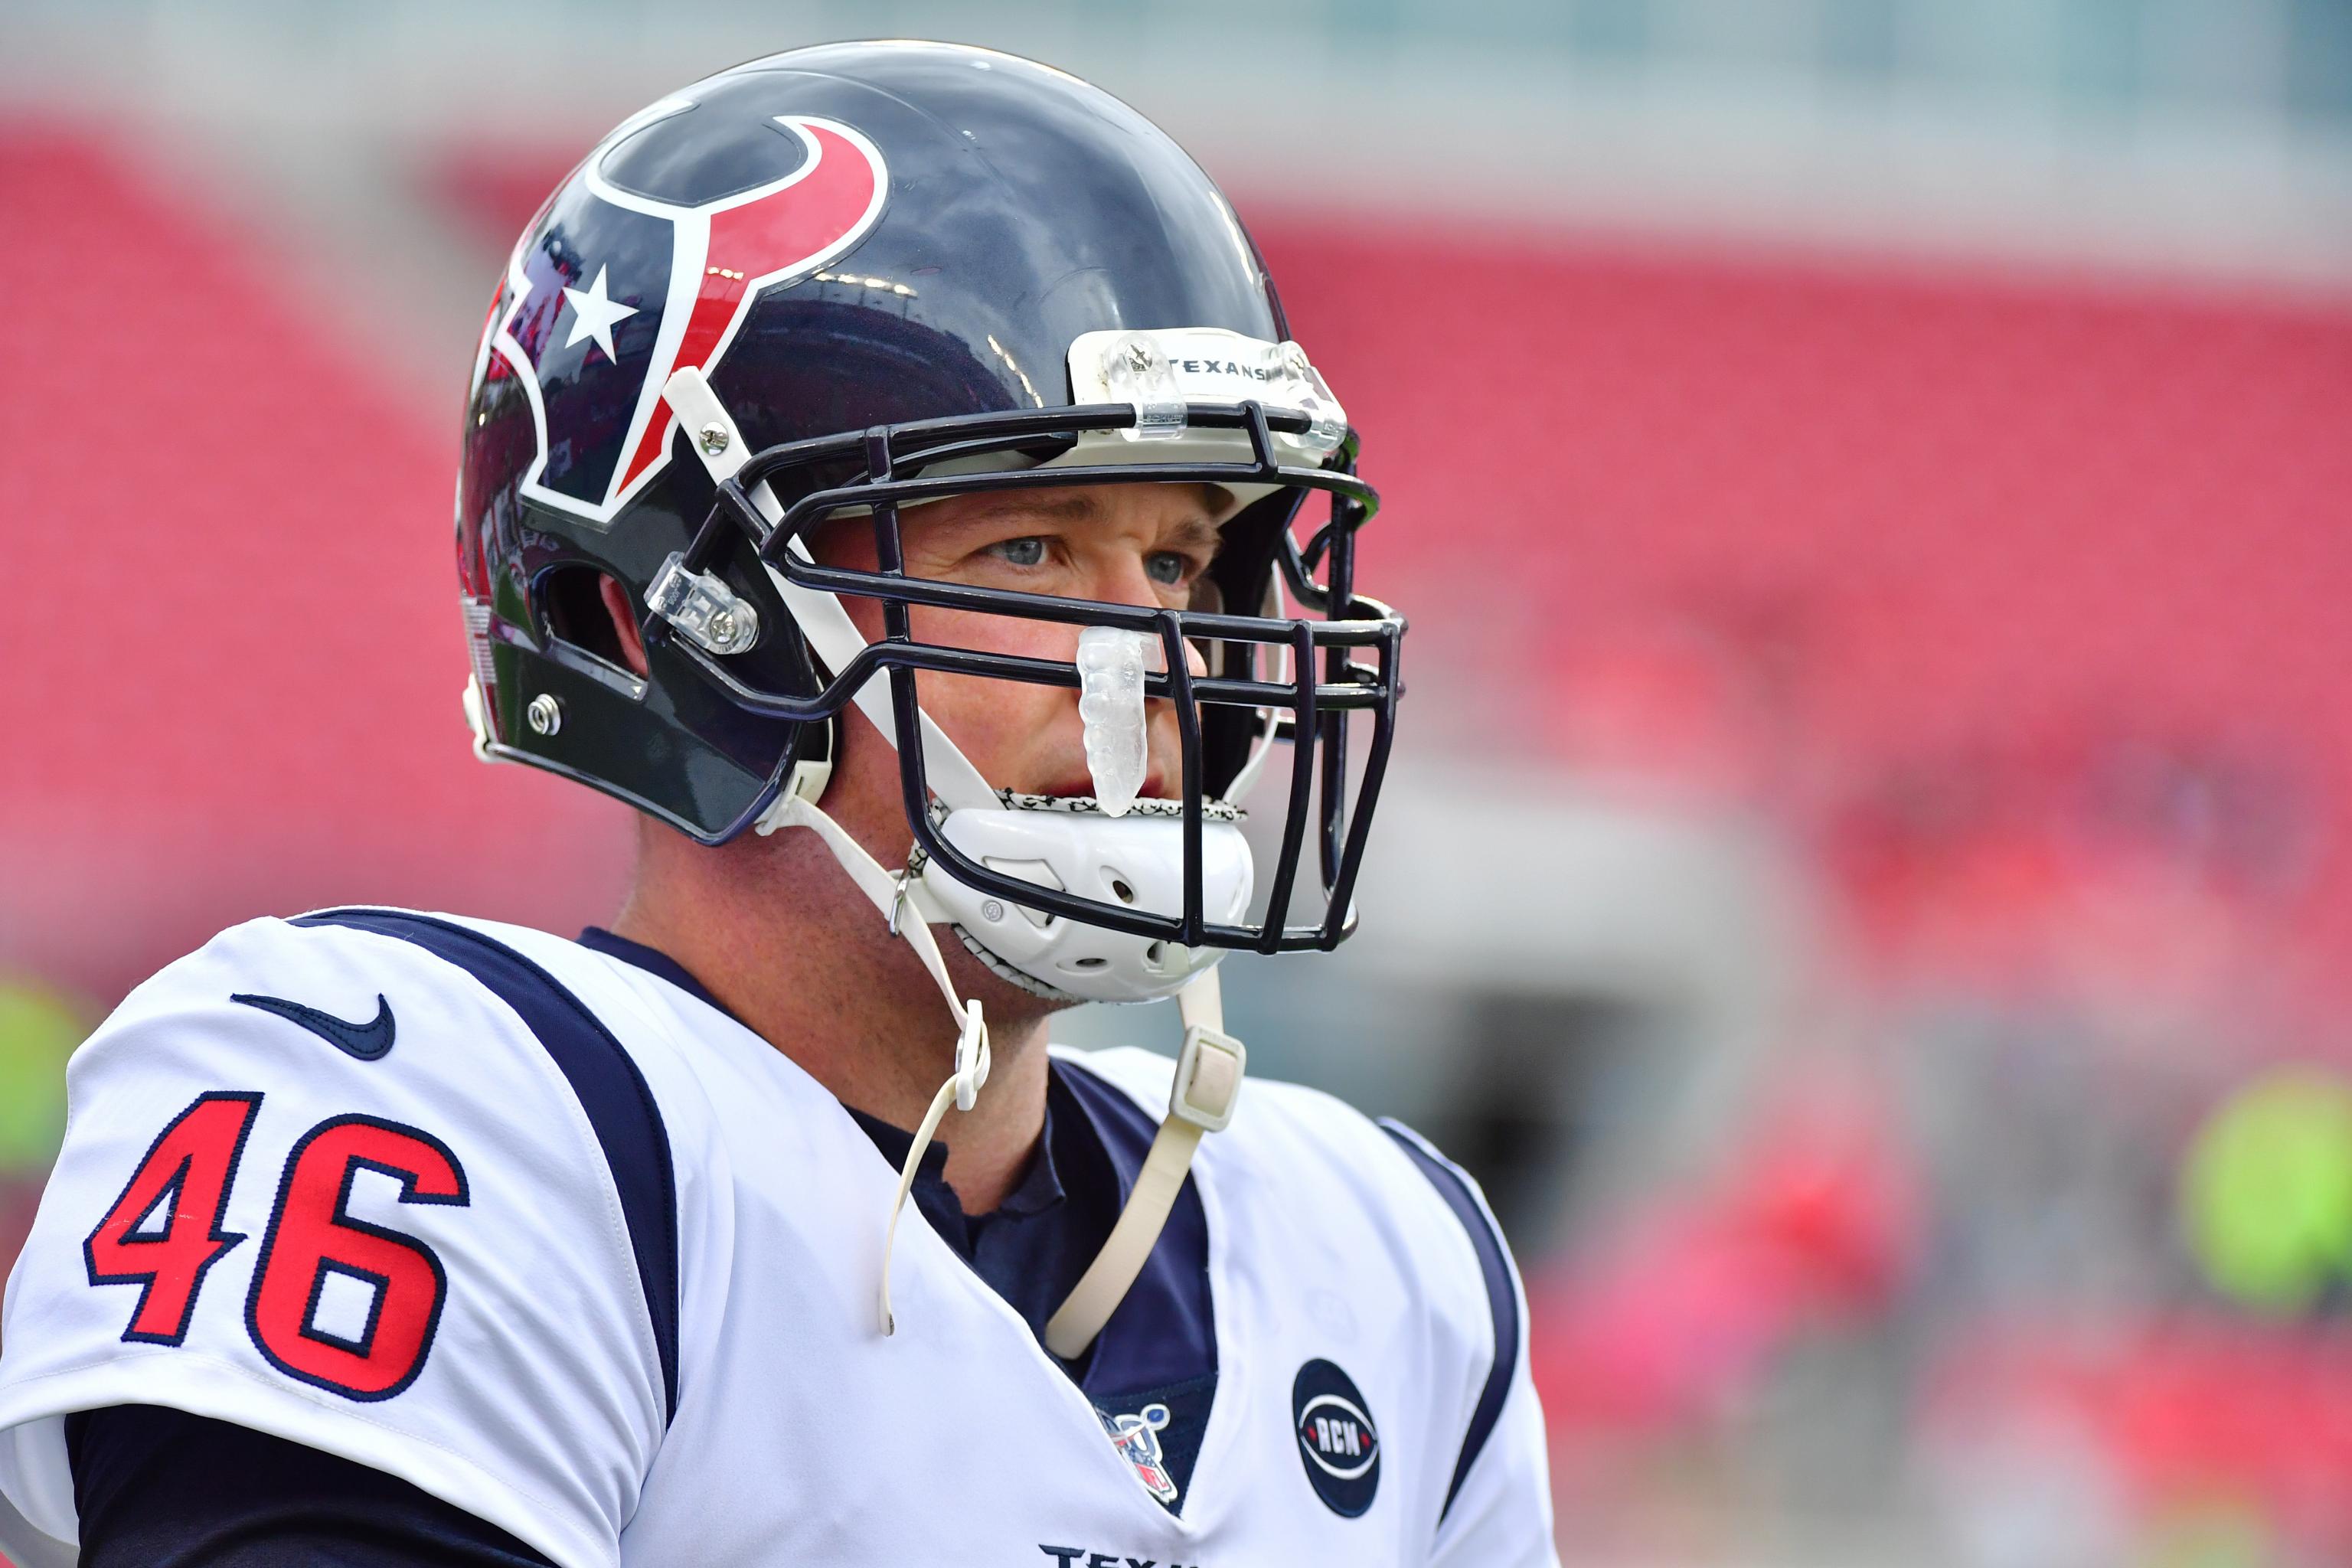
{"x": 1028, "y": 551}
{"x": 1168, "y": 568}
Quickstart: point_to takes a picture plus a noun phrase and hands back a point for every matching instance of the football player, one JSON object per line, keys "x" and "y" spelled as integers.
{"x": 887, "y": 467}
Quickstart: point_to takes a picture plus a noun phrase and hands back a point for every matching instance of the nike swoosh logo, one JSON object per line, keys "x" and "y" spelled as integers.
{"x": 369, "y": 1041}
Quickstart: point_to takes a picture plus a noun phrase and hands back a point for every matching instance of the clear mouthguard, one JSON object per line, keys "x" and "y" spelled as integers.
{"x": 1111, "y": 665}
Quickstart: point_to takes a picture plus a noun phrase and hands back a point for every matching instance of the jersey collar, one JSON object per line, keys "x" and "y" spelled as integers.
{"x": 653, "y": 960}
{"x": 1094, "y": 1141}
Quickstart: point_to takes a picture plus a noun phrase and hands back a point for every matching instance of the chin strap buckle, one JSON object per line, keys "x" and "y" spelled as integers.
{"x": 1200, "y": 1102}
{"x": 1208, "y": 1072}
{"x": 973, "y": 1058}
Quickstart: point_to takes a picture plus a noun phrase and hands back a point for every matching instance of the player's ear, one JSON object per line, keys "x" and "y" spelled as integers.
{"x": 625, "y": 623}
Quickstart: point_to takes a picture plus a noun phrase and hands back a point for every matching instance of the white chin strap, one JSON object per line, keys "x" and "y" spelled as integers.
{"x": 1208, "y": 1082}
{"x": 1210, "y": 1069}
{"x": 973, "y": 1058}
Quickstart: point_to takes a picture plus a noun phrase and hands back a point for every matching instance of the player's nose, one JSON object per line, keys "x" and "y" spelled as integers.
{"x": 1129, "y": 582}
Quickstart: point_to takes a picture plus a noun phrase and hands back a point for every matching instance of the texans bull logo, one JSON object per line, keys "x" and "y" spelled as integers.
{"x": 636, "y": 269}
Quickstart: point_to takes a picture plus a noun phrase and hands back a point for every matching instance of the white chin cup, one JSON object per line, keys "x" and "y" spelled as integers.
{"x": 1133, "y": 860}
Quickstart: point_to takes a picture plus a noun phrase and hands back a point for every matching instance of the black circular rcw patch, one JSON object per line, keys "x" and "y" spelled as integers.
{"x": 1337, "y": 1440}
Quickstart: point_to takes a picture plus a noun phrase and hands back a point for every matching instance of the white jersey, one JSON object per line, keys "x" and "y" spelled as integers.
{"x": 561, "y": 1244}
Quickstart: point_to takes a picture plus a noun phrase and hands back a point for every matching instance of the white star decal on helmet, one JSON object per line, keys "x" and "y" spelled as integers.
{"x": 594, "y": 315}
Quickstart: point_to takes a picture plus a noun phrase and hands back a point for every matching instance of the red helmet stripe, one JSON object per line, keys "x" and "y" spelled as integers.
{"x": 757, "y": 241}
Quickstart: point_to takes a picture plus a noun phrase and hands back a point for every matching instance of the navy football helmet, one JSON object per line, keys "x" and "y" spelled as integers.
{"x": 851, "y": 278}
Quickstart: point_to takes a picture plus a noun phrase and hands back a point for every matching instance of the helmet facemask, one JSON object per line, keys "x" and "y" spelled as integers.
{"x": 1056, "y": 894}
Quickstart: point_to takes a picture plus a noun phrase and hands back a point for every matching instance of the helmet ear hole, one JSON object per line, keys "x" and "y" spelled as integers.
{"x": 621, "y": 615}
{"x": 591, "y": 610}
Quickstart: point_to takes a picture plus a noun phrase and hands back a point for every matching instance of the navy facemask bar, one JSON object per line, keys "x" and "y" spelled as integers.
{"x": 1318, "y": 709}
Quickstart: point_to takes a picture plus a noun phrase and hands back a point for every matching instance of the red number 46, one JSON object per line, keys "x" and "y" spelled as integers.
{"x": 163, "y": 1234}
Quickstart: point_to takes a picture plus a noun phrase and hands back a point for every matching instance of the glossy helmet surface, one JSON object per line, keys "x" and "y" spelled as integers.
{"x": 881, "y": 255}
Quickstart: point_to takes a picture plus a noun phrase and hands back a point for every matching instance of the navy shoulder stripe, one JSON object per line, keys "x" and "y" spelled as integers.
{"x": 1502, "y": 1300}
{"x": 619, "y": 1103}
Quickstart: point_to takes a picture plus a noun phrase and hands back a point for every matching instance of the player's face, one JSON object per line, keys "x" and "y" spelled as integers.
{"x": 1146, "y": 546}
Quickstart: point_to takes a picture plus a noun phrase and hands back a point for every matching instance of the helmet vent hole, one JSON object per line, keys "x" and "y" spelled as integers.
{"x": 1088, "y": 963}
{"x": 1119, "y": 890}
{"x": 1156, "y": 955}
{"x": 572, "y": 601}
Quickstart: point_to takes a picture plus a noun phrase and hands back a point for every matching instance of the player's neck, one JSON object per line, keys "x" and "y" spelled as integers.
{"x": 780, "y": 937}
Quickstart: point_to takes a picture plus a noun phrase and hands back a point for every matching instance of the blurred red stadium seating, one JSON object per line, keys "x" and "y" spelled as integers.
{"x": 1959, "y": 565}
{"x": 233, "y": 653}
{"x": 1917, "y": 519}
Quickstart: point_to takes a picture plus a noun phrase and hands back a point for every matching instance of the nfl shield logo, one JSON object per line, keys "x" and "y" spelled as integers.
{"x": 1136, "y": 1439}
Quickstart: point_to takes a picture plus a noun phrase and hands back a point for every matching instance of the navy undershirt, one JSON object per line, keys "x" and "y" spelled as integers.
{"x": 160, "y": 1488}
{"x": 1031, "y": 1248}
